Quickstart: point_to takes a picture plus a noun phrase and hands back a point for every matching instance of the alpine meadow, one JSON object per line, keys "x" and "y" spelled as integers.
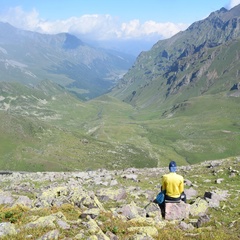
{"x": 63, "y": 106}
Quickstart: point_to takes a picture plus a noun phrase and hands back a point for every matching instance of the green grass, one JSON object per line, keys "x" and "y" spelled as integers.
{"x": 58, "y": 132}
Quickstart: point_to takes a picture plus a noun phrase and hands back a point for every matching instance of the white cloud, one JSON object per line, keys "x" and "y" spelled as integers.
{"x": 17, "y": 17}
{"x": 92, "y": 26}
{"x": 234, "y": 3}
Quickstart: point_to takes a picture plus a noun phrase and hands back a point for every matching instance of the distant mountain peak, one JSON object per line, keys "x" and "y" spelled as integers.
{"x": 71, "y": 42}
{"x": 29, "y": 57}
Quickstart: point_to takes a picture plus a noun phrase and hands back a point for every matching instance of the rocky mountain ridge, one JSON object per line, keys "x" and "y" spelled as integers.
{"x": 201, "y": 60}
{"x": 119, "y": 204}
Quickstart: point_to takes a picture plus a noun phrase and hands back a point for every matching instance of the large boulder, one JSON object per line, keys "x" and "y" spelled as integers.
{"x": 199, "y": 207}
{"x": 176, "y": 211}
{"x": 131, "y": 211}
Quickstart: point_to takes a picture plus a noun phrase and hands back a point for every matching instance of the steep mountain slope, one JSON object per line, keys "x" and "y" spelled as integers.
{"x": 30, "y": 57}
{"x": 202, "y": 60}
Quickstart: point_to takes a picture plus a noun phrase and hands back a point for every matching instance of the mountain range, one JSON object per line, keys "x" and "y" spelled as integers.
{"x": 178, "y": 101}
{"x": 30, "y": 57}
{"x": 202, "y": 60}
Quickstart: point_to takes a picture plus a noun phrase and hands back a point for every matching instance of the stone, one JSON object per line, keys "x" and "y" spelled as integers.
{"x": 130, "y": 177}
{"x": 63, "y": 225}
{"x": 6, "y": 198}
{"x": 7, "y": 228}
{"x": 141, "y": 236}
{"x": 185, "y": 226}
{"x": 149, "y": 230}
{"x": 93, "y": 213}
{"x": 47, "y": 221}
{"x": 23, "y": 201}
{"x": 176, "y": 211}
{"x": 202, "y": 220}
{"x": 110, "y": 194}
{"x": 187, "y": 182}
{"x": 111, "y": 235}
{"x": 221, "y": 195}
{"x": 219, "y": 180}
{"x": 131, "y": 211}
{"x": 190, "y": 193}
{"x": 199, "y": 207}
{"x": 51, "y": 235}
{"x": 95, "y": 230}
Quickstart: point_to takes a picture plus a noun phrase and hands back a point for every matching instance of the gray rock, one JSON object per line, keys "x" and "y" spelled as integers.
{"x": 63, "y": 225}
{"x": 131, "y": 211}
{"x": 47, "y": 221}
{"x": 113, "y": 183}
{"x": 202, "y": 220}
{"x": 185, "y": 226}
{"x": 219, "y": 180}
{"x": 130, "y": 177}
{"x": 7, "y": 228}
{"x": 190, "y": 193}
{"x": 24, "y": 201}
{"x": 6, "y": 198}
{"x": 187, "y": 182}
{"x": 51, "y": 235}
{"x": 177, "y": 211}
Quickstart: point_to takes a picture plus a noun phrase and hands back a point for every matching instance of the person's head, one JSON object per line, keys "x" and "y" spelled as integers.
{"x": 172, "y": 166}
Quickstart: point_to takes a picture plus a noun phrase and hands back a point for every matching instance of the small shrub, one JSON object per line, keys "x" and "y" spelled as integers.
{"x": 8, "y": 214}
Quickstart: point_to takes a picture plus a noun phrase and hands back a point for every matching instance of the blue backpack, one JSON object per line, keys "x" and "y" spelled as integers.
{"x": 160, "y": 197}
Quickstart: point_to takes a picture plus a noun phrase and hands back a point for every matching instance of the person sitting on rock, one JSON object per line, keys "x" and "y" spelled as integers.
{"x": 173, "y": 184}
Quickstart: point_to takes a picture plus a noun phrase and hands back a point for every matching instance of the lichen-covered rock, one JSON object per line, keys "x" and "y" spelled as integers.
{"x": 75, "y": 195}
{"x": 199, "y": 207}
{"x": 6, "y": 198}
{"x": 51, "y": 235}
{"x": 141, "y": 236}
{"x": 62, "y": 224}
{"x": 94, "y": 229}
{"x": 131, "y": 211}
{"x": 47, "y": 221}
{"x": 93, "y": 213}
{"x": 149, "y": 230}
{"x": 106, "y": 194}
{"x": 23, "y": 201}
{"x": 7, "y": 228}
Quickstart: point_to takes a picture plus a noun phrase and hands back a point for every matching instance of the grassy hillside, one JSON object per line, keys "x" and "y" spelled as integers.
{"x": 47, "y": 129}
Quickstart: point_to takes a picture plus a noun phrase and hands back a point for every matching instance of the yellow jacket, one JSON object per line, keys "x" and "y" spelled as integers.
{"x": 173, "y": 184}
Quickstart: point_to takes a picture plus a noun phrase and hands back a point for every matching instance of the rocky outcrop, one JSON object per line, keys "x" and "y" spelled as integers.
{"x": 100, "y": 206}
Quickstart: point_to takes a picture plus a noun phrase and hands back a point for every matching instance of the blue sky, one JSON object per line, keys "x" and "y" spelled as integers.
{"x": 109, "y": 19}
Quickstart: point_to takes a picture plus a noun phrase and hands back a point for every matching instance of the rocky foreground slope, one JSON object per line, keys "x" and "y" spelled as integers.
{"x": 118, "y": 204}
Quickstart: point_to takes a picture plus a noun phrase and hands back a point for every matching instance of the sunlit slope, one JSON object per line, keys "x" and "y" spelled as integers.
{"x": 46, "y": 129}
{"x": 199, "y": 129}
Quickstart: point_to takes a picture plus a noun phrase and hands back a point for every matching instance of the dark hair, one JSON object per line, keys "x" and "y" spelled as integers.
{"x": 172, "y": 166}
